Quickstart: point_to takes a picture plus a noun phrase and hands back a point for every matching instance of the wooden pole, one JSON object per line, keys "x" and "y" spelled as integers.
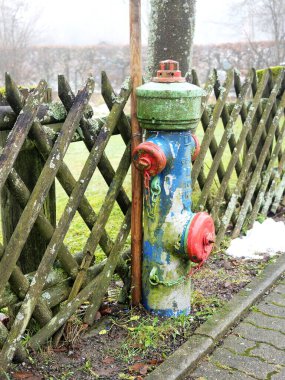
{"x": 136, "y": 219}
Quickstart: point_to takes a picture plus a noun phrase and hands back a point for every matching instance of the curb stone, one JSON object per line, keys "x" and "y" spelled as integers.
{"x": 203, "y": 341}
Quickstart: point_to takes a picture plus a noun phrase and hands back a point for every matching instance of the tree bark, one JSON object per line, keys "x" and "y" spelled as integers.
{"x": 171, "y": 33}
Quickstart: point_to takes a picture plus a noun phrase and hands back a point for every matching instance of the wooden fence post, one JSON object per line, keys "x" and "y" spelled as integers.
{"x": 29, "y": 165}
{"x": 136, "y": 77}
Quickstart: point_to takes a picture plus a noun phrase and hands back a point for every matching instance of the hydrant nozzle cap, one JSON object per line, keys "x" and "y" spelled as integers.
{"x": 200, "y": 237}
{"x": 149, "y": 157}
{"x": 168, "y": 72}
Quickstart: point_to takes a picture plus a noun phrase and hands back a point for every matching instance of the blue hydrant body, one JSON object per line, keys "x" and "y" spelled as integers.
{"x": 173, "y": 234}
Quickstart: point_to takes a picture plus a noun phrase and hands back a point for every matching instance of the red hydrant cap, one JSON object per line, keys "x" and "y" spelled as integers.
{"x": 168, "y": 72}
{"x": 149, "y": 157}
{"x": 200, "y": 237}
{"x": 196, "y": 151}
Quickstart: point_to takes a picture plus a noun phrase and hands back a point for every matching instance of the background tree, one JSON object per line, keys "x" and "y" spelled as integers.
{"x": 171, "y": 31}
{"x": 17, "y": 32}
{"x": 263, "y": 19}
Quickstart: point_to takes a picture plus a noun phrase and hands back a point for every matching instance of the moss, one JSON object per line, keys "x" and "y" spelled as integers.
{"x": 275, "y": 72}
{"x": 222, "y": 366}
{"x": 3, "y": 90}
{"x": 57, "y": 111}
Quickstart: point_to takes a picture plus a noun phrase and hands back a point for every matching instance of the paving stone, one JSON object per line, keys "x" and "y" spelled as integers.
{"x": 209, "y": 371}
{"x": 257, "y": 334}
{"x": 279, "y": 376}
{"x": 238, "y": 344}
{"x": 273, "y": 310}
{"x": 248, "y": 365}
{"x": 264, "y": 321}
{"x": 276, "y": 298}
{"x": 269, "y": 353}
{"x": 279, "y": 289}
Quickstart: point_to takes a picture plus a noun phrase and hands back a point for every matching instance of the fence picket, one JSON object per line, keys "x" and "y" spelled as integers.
{"x": 256, "y": 175}
{"x": 248, "y": 161}
{"x": 266, "y": 177}
{"x": 224, "y": 140}
{"x": 240, "y": 144}
{"x": 211, "y": 127}
{"x": 20, "y": 131}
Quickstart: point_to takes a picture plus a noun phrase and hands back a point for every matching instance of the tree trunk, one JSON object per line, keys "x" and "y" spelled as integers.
{"x": 171, "y": 33}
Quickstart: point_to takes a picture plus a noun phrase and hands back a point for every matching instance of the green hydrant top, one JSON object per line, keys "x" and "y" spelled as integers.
{"x": 169, "y": 106}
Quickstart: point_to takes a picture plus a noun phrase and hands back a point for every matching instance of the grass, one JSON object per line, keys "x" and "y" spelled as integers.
{"x": 148, "y": 334}
{"x": 75, "y": 158}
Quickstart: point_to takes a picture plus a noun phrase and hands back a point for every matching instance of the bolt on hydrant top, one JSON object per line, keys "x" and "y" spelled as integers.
{"x": 168, "y": 102}
{"x": 169, "y": 72}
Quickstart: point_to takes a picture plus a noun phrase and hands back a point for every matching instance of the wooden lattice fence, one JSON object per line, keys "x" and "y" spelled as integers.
{"x": 238, "y": 175}
{"x": 29, "y": 293}
{"x": 246, "y": 174}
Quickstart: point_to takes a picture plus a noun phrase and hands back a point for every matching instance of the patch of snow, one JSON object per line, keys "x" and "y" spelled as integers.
{"x": 263, "y": 239}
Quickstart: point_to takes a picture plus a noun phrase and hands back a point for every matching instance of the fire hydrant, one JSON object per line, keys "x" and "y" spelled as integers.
{"x": 168, "y": 109}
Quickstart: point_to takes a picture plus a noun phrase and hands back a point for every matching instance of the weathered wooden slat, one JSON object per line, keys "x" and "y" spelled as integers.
{"x": 107, "y": 92}
{"x": 24, "y": 314}
{"x": 20, "y": 284}
{"x": 266, "y": 177}
{"x": 67, "y": 97}
{"x": 205, "y": 120}
{"x": 278, "y": 194}
{"x": 255, "y": 119}
{"x": 275, "y": 182}
{"x": 20, "y": 354}
{"x": 208, "y": 88}
{"x": 96, "y": 232}
{"x": 47, "y": 114}
{"x": 102, "y": 218}
{"x": 30, "y": 253}
{"x": 58, "y": 286}
{"x": 20, "y": 131}
{"x": 55, "y": 277}
{"x": 7, "y": 118}
{"x": 106, "y": 277}
{"x": 85, "y": 209}
{"x": 107, "y": 207}
{"x": 33, "y": 208}
{"x": 108, "y": 204}
{"x": 251, "y": 186}
{"x": 67, "y": 310}
{"x": 224, "y": 141}
{"x": 211, "y": 127}
{"x": 226, "y": 116}
{"x": 240, "y": 144}
{"x": 22, "y": 195}
{"x": 68, "y": 182}
{"x": 247, "y": 163}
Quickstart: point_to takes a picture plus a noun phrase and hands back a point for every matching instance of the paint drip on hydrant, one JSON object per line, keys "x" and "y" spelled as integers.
{"x": 168, "y": 109}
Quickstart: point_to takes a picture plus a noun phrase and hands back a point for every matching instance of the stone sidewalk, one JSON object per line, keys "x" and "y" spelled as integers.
{"x": 255, "y": 349}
